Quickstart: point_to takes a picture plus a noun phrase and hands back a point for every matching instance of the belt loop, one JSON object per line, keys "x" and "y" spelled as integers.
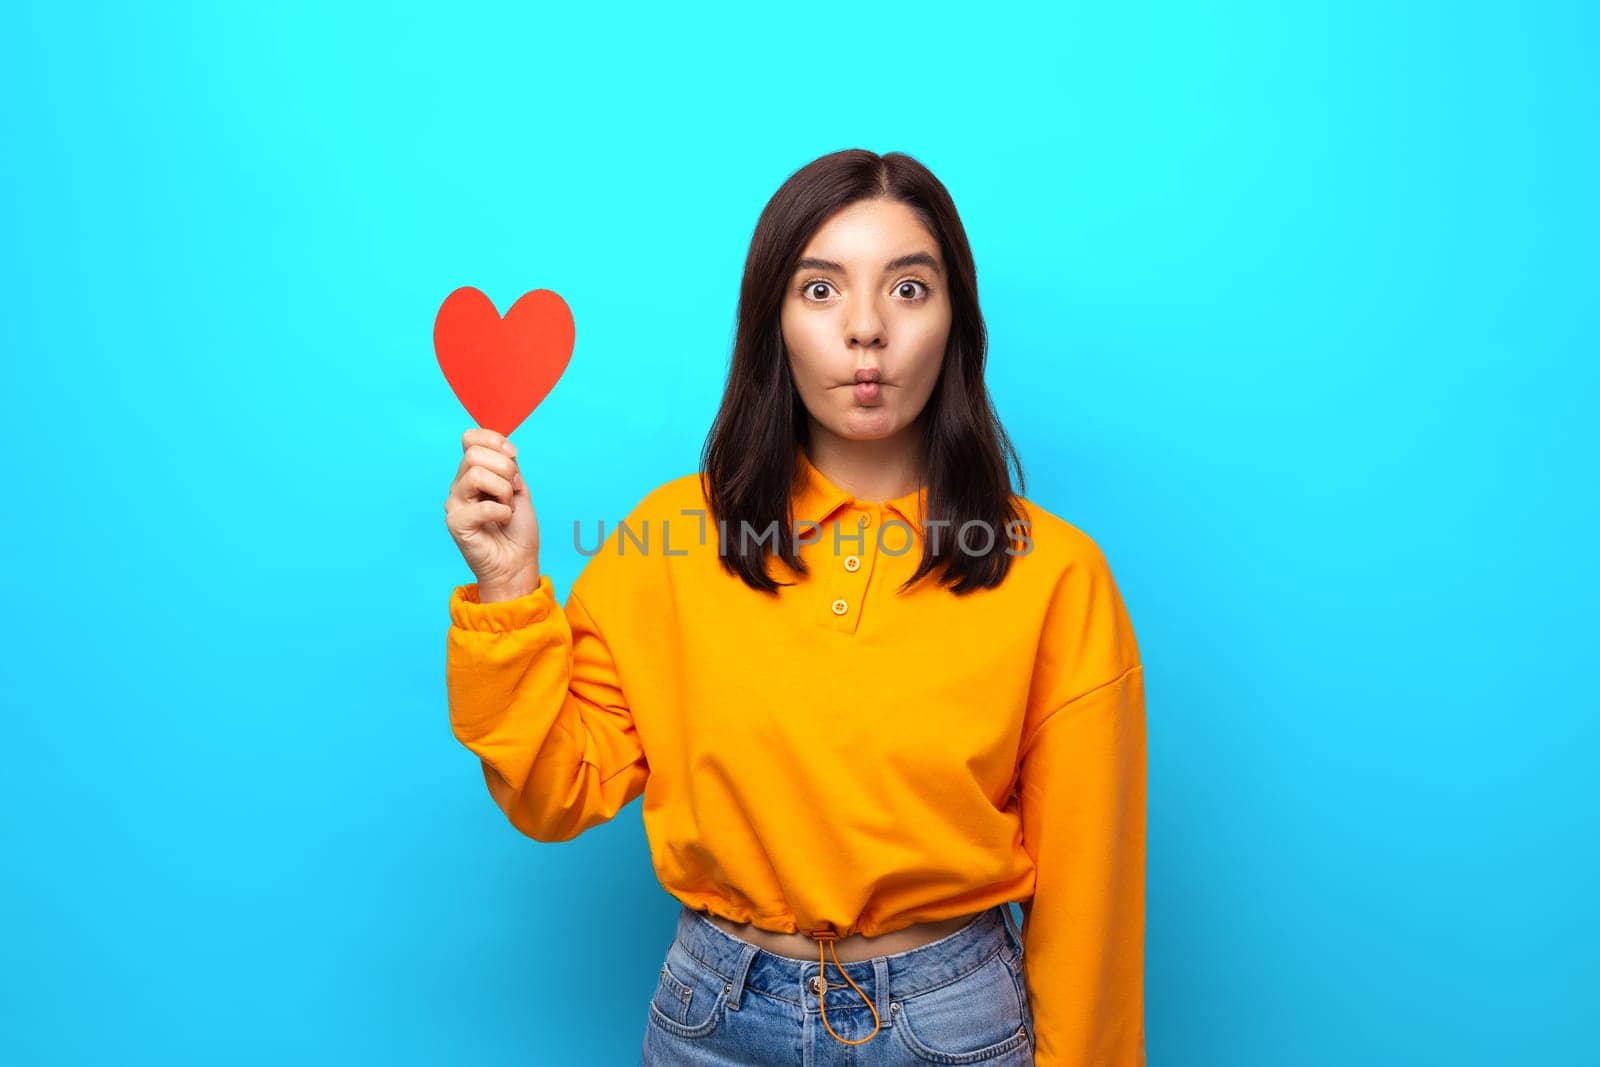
{"x": 880, "y": 977}
{"x": 741, "y": 969}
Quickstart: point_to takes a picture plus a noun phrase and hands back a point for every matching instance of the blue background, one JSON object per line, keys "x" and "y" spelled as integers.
{"x": 1291, "y": 307}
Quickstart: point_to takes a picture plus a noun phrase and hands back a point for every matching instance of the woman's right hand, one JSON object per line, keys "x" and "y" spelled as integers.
{"x": 491, "y": 517}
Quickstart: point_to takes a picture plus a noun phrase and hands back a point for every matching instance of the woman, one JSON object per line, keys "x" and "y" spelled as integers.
{"x": 869, "y": 694}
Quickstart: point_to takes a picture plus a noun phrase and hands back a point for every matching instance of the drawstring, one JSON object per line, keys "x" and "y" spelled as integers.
{"x": 828, "y": 937}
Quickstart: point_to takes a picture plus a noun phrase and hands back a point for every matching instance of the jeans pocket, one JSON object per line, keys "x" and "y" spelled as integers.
{"x": 977, "y": 1017}
{"x": 690, "y": 998}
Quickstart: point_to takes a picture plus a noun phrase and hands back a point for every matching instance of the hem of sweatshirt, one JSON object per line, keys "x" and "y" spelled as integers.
{"x": 501, "y": 615}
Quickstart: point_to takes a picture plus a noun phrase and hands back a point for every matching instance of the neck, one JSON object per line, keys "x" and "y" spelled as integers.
{"x": 872, "y": 471}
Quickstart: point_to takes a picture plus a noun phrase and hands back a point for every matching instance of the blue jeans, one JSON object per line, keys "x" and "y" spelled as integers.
{"x": 724, "y": 1002}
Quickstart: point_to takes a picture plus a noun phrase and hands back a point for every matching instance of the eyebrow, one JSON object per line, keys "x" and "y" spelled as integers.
{"x": 914, "y": 259}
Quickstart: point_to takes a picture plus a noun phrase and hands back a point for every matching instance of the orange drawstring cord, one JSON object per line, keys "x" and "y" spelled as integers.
{"x": 828, "y": 937}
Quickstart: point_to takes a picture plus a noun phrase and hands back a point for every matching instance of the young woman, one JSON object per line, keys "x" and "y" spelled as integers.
{"x": 869, "y": 693}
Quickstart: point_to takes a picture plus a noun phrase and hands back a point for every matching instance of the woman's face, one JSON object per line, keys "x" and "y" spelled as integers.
{"x": 868, "y": 295}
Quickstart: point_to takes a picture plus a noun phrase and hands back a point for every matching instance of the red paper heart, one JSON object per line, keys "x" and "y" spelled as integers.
{"x": 501, "y": 368}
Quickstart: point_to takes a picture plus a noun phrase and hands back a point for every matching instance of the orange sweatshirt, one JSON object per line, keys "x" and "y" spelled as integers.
{"x": 841, "y": 755}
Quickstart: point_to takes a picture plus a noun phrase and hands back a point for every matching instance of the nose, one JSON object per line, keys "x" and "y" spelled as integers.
{"x": 864, "y": 326}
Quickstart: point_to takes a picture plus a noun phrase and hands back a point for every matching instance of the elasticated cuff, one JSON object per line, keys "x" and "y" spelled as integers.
{"x": 533, "y": 607}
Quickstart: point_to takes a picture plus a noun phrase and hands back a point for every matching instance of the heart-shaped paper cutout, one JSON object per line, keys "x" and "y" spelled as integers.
{"x": 501, "y": 368}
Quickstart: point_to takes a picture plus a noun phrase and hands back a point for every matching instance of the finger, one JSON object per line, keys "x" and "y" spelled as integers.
{"x": 488, "y": 483}
{"x": 482, "y": 456}
{"x": 473, "y": 516}
{"x": 491, "y": 439}
{"x": 485, "y": 456}
{"x": 479, "y": 483}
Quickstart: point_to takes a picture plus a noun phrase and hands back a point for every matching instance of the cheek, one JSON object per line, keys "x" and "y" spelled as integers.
{"x": 801, "y": 340}
{"x": 931, "y": 335}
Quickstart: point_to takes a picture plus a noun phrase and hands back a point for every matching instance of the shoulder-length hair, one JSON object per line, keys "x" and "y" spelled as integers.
{"x": 749, "y": 462}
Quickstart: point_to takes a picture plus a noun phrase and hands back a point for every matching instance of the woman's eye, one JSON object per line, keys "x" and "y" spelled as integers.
{"x": 909, "y": 289}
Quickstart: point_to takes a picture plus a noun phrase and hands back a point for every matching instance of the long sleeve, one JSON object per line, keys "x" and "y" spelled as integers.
{"x": 1083, "y": 821}
{"x": 1081, "y": 788}
{"x": 534, "y": 692}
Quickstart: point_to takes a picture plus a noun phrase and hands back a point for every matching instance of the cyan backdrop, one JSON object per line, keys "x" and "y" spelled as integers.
{"x": 1291, "y": 308}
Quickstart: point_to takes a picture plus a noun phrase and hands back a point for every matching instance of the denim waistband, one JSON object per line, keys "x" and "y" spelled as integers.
{"x": 900, "y": 974}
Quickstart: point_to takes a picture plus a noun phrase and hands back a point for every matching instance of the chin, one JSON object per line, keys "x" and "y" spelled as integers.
{"x": 871, "y": 428}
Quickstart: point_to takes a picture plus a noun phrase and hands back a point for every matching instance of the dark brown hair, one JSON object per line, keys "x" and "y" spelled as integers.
{"x": 748, "y": 463}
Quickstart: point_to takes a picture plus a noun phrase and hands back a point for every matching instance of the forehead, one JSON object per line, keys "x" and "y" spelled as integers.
{"x": 869, "y": 232}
